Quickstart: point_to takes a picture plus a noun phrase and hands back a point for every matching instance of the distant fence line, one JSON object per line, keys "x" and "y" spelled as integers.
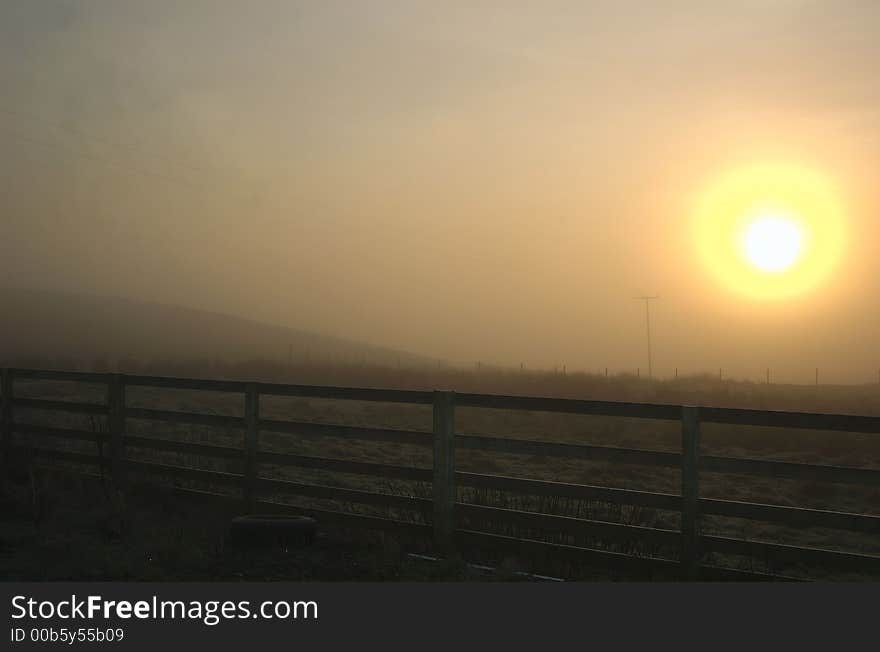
{"x": 443, "y": 510}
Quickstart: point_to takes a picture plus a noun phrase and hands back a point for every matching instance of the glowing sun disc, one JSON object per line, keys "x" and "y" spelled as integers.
{"x": 772, "y": 243}
{"x": 770, "y": 231}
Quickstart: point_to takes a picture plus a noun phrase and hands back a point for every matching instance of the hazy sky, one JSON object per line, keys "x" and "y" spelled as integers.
{"x": 486, "y": 181}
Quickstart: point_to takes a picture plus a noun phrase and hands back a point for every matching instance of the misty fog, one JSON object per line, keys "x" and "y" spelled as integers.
{"x": 468, "y": 181}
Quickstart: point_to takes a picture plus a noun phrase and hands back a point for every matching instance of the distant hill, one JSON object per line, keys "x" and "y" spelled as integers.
{"x": 85, "y": 327}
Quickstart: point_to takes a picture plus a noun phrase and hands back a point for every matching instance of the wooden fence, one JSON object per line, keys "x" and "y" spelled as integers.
{"x": 444, "y": 511}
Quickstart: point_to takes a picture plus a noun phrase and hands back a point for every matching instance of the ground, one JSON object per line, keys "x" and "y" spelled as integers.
{"x": 172, "y": 539}
{"x": 85, "y": 538}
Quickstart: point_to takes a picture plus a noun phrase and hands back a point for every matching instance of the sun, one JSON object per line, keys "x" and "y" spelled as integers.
{"x": 770, "y": 231}
{"x": 772, "y": 243}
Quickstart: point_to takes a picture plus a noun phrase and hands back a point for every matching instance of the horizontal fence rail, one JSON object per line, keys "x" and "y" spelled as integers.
{"x": 790, "y": 470}
{"x": 792, "y": 516}
{"x": 567, "y": 490}
{"x": 570, "y": 406}
{"x": 323, "y": 430}
{"x": 174, "y": 416}
{"x": 346, "y": 466}
{"x": 683, "y": 551}
{"x": 345, "y": 495}
{"x": 570, "y": 451}
{"x": 63, "y": 406}
{"x": 570, "y": 525}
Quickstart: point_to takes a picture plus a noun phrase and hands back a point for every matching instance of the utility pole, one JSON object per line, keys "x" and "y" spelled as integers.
{"x": 647, "y": 301}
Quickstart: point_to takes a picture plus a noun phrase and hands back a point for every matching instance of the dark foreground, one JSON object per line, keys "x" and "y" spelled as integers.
{"x": 83, "y": 536}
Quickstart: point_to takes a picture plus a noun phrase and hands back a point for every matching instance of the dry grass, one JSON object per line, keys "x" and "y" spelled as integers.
{"x": 845, "y": 449}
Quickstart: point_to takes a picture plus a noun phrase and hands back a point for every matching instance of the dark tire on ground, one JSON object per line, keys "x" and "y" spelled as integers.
{"x": 271, "y": 529}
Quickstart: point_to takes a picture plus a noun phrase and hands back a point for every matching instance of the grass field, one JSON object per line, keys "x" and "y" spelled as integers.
{"x": 835, "y": 448}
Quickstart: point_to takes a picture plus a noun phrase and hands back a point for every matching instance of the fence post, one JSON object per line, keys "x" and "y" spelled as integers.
{"x": 116, "y": 426}
{"x": 690, "y": 492}
{"x": 251, "y": 444}
{"x": 6, "y": 418}
{"x": 444, "y": 470}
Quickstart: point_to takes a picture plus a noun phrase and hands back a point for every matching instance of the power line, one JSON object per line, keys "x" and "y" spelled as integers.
{"x": 647, "y": 300}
